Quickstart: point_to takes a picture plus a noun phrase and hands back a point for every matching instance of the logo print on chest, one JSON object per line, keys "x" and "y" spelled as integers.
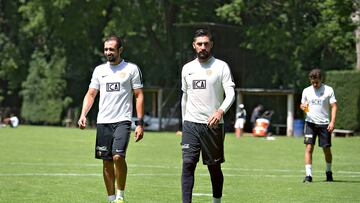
{"x": 112, "y": 86}
{"x": 199, "y": 84}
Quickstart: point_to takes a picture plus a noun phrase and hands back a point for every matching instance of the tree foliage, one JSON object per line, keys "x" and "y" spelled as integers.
{"x": 43, "y": 89}
{"x": 300, "y": 34}
{"x": 48, "y": 49}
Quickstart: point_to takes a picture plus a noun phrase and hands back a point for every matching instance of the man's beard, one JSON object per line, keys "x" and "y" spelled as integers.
{"x": 203, "y": 55}
{"x": 111, "y": 58}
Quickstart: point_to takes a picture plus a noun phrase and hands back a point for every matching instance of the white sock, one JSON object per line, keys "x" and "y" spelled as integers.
{"x": 111, "y": 197}
{"x": 308, "y": 170}
{"x": 328, "y": 167}
{"x": 120, "y": 194}
{"x": 217, "y": 200}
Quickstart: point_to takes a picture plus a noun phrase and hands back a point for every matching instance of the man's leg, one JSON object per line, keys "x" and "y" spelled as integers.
{"x": 238, "y": 132}
{"x": 190, "y": 145}
{"x": 241, "y": 131}
{"x": 119, "y": 146}
{"x": 109, "y": 176}
{"x": 308, "y": 162}
{"x": 328, "y": 159}
{"x": 217, "y": 180}
{"x": 328, "y": 155}
{"x": 120, "y": 171}
{"x": 309, "y": 140}
{"x": 187, "y": 181}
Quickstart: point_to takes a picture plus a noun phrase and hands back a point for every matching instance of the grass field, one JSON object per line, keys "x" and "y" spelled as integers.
{"x": 52, "y": 164}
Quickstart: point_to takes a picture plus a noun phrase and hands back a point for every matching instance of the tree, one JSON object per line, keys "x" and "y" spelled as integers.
{"x": 148, "y": 27}
{"x": 356, "y": 20}
{"x": 43, "y": 90}
{"x": 38, "y": 34}
{"x": 12, "y": 61}
{"x": 300, "y": 34}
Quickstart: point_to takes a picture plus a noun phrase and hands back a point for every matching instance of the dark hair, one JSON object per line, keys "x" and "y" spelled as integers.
{"x": 119, "y": 43}
{"x": 202, "y": 32}
{"x": 315, "y": 74}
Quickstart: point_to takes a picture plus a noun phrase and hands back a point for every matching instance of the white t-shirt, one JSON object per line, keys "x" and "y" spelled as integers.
{"x": 115, "y": 84}
{"x": 319, "y": 101}
{"x": 205, "y": 84}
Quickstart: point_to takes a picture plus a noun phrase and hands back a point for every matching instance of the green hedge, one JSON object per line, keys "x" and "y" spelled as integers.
{"x": 346, "y": 85}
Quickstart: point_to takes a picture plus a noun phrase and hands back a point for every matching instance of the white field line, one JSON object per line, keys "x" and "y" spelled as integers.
{"x": 156, "y": 175}
{"x": 202, "y": 194}
{"x": 230, "y": 172}
{"x": 178, "y": 167}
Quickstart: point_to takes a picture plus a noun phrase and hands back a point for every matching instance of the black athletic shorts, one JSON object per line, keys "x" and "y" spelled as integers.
{"x": 313, "y": 130}
{"x": 112, "y": 139}
{"x": 198, "y": 137}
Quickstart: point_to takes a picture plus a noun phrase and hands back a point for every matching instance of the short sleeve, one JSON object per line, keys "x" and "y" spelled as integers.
{"x": 137, "y": 80}
{"x": 332, "y": 96}
{"x": 95, "y": 83}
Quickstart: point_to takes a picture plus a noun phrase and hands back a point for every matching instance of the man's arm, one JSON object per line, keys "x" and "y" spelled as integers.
{"x": 183, "y": 105}
{"x": 139, "y": 96}
{"x": 217, "y": 115}
{"x": 87, "y": 104}
{"x": 331, "y": 125}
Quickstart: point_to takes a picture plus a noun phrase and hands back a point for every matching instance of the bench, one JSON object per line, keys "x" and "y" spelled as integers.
{"x": 277, "y": 127}
{"x": 342, "y": 133}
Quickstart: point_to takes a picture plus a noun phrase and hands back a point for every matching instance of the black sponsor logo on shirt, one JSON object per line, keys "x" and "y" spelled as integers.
{"x": 199, "y": 84}
{"x": 112, "y": 86}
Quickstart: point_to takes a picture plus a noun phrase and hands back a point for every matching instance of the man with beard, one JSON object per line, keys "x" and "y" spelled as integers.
{"x": 204, "y": 82}
{"x": 117, "y": 81}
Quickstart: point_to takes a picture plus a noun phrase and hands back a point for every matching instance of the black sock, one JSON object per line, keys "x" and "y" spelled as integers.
{"x": 217, "y": 180}
{"x": 187, "y": 181}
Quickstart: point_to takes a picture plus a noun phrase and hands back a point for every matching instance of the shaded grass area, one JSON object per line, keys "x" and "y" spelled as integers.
{"x": 53, "y": 164}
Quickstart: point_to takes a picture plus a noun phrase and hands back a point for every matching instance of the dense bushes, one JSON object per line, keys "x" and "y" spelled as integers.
{"x": 346, "y": 85}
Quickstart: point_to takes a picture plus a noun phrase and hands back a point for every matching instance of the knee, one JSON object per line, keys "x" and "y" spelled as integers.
{"x": 190, "y": 160}
{"x": 189, "y": 166}
{"x": 215, "y": 169}
{"x": 118, "y": 157}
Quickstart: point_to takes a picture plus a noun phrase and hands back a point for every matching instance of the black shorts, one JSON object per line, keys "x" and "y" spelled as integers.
{"x": 198, "y": 137}
{"x": 112, "y": 139}
{"x": 313, "y": 130}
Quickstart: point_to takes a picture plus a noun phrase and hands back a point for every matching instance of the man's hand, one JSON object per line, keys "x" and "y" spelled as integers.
{"x": 330, "y": 127}
{"x": 139, "y": 133}
{"x": 214, "y": 120}
{"x": 82, "y": 122}
{"x": 303, "y": 106}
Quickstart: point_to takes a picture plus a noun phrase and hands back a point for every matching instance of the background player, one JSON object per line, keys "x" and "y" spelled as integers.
{"x": 316, "y": 100}
{"x": 240, "y": 120}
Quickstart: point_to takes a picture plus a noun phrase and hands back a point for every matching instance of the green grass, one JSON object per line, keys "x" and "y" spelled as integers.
{"x": 52, "y": 164}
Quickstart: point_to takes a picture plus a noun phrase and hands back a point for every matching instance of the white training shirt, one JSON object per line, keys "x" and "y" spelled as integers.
{"x": 205, "y": 85}
{"x": 115, "y": 84}
{"x": 319, "y": 101}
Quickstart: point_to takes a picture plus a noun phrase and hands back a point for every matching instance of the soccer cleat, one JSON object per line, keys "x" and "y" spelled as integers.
{"x": 329, "y": 176}
{"x": 118, "y": 201}
{"x": 307, "y": 179}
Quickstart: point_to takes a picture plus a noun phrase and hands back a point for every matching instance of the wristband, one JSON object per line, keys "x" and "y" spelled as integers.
{"x": 139, "y": 122}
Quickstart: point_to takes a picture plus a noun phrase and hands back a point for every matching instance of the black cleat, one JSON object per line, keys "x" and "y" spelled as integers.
{"x": 329, "y": 176}
{"x": 307, "y": 179}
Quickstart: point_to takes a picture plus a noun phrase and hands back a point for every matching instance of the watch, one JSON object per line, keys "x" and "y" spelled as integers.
{"x": 139, "y": 122}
